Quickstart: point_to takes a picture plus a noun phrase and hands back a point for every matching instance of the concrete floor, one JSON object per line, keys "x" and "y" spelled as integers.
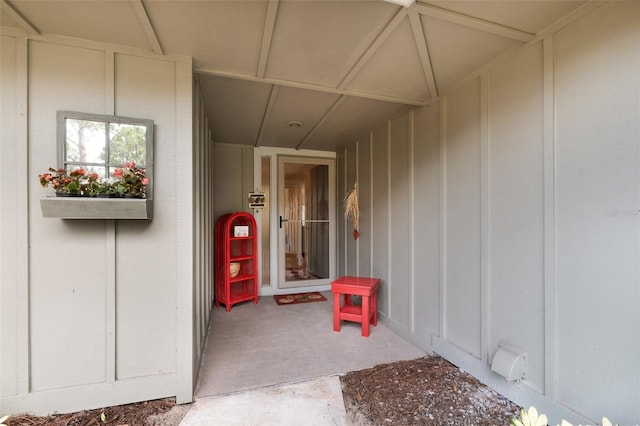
{"x": 268, "y": 364}
{"x": 315, "y": 402}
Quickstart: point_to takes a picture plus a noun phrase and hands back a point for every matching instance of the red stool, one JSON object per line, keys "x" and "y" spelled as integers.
{"x": 355, "y": 286}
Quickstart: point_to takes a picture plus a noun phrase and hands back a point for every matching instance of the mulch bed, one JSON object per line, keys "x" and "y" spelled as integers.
{"x": 149, "y": 413}
{"x": 425, "y": 391}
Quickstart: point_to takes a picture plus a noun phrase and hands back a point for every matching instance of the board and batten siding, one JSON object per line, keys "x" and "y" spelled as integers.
{"x": 204, "y": 223}
{"x": 508, "y": 211}
{"x": 233, "y": 178}
{"x": 94, "y": 312}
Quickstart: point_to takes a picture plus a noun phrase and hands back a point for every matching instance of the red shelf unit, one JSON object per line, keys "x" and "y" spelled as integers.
{"x": 244, "y": 250}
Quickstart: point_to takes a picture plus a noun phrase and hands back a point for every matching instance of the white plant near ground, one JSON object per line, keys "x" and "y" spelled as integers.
{"x": 530, "y": 417}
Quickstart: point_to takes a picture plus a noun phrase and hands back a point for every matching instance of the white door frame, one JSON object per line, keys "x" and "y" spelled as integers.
{"x": 274, "y": 153}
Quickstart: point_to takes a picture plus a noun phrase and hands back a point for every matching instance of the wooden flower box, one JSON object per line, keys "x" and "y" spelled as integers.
{"x": 96, "y": 208}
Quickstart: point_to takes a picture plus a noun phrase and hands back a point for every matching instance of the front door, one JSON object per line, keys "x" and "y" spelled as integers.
{"x": 306, "y": 225}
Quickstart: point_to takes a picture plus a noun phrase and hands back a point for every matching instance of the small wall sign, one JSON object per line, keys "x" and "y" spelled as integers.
{"x": 256, "y": 200}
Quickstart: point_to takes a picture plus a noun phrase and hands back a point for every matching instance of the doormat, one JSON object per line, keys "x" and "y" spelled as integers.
{"x": 291, "y": 299}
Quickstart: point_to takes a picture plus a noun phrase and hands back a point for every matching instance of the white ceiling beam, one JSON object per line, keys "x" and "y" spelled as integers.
{"x": 17, "y": 16}
{"x": 308, "y": 86}
{"x": 475, "y": 23}
{"x": 147, "y": 26}
{"x": 324, "y": 118}
{"x": 267, "y": 113}
{"x": 384, "y": 34}
{"x": 423, "y": 50}
{"x": 267, "y": 34}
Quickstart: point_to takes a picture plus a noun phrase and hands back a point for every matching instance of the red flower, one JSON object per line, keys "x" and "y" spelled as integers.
{"x": 130, "y": 164}
{"x": 118, "y": 173}
{"x": 145, "y": 181}
{"x": 94, "y": 176}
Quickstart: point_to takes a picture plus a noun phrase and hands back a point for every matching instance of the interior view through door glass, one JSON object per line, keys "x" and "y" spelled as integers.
{"x": 306, "y": 224}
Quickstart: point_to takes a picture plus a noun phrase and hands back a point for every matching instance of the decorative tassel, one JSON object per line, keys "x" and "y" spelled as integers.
{"x": 351, "y": 209}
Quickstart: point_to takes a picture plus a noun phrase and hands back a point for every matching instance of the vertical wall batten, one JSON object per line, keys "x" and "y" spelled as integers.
{"x": 345, "y": 188}
{"x": 184, "y": 228}
{"x": 110, "y": 238}
{"x": 205, "y": 236}
{"x": 550, "y": 332}
{"x": 443, "y": 215}
{"x": 389, "y": 220}
{"x": 340, "y": 228}
{"x": 201, "y": 234}
{"x": 206, "y": 215}
{"x": 357, "y": 180}
{"x": 210, "y": 223}
{"x": 485, "y": 222}
{"x": 371, "y": 209}
{"x": 412, "y": 223}
{"x": 109, "y": 82}
{"x": 197, "y": 214}
{"x": 110, "y": 300}
{"x": 23, "y": 261}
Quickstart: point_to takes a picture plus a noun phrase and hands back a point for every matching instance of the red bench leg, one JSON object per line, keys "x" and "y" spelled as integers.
{"x": 365, "y": 315}
{"x": 336, "y": 311}
{"x": 374, "y": 308}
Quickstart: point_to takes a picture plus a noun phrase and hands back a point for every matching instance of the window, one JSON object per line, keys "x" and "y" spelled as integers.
{"x": 103, "y": 143}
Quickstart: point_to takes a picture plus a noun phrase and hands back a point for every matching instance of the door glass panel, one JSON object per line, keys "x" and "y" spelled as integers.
{"x": 306, "y": 221}
{"x": 265, "y": 222}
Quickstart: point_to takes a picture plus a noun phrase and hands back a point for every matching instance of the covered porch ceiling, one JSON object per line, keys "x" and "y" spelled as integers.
{"x": 304, "y": 73}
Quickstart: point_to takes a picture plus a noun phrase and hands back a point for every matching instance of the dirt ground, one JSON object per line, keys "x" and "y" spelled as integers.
{"x": 425, "y": 391}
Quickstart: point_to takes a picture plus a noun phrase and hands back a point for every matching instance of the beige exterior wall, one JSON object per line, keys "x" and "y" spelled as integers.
{"x": 509, "y": 211}
{"x": 94, "y": 312}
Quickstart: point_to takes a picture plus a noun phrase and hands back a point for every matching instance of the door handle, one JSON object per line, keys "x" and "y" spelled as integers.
{"x": 283, "y": 220}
